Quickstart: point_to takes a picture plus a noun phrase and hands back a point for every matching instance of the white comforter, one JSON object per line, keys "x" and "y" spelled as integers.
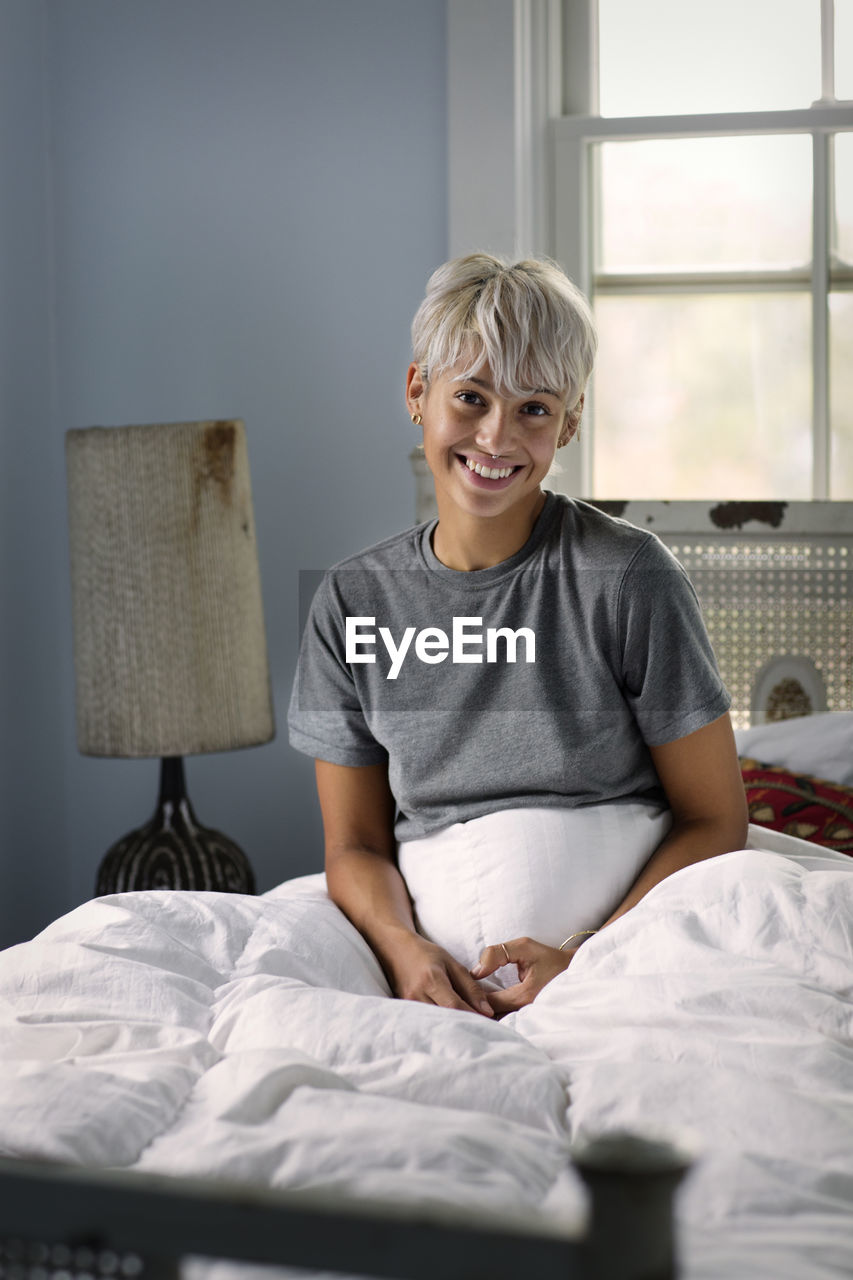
{"x": 253, "y": 1038}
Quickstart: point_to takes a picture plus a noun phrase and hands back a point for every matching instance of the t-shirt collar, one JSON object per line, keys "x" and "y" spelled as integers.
{"x": 486, "y": 577}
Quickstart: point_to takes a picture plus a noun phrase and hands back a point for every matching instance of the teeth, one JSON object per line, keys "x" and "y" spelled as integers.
{"x": 489, "y": 473}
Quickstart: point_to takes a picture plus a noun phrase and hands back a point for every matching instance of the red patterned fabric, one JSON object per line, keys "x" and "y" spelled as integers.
{"x": 799, "y": 805}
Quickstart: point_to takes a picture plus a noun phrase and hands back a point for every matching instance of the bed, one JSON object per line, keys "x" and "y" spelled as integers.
{"x": 223, "y": 1079}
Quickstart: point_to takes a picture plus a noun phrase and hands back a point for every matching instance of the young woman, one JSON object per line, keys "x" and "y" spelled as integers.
{"x": 518, "y": 722}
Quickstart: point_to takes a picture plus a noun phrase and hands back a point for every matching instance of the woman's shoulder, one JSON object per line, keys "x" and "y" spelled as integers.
{"x": 350, "y": 584}
{"x": 598, "y": 533}
{"x": 399, "y": 551}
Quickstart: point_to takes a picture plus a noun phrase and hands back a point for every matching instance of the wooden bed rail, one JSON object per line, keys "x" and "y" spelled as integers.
{"x": 57, "y": 1218}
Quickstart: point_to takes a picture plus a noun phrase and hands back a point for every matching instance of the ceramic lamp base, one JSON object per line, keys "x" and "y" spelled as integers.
{"x": 173, "y": 850}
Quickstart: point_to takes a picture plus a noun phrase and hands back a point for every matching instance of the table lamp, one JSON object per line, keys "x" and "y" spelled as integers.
{"x": 170, "y": 652}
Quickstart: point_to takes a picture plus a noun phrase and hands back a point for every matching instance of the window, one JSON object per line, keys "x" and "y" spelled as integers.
{"x": 704, "y": 199}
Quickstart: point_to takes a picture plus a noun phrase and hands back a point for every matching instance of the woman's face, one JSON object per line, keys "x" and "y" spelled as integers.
{"x": 487, "y": 452}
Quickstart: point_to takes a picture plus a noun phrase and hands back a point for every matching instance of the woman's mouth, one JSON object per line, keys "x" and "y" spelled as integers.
{"x": 486, "y": 475}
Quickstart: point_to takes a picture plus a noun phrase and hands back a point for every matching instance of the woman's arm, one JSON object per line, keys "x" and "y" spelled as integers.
{"x": 364, "y": 881}
{"x": 702, "y": 780}
{"x": 704, "y": 788}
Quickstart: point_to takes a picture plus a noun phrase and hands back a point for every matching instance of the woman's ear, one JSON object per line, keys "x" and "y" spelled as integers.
{"x": 571, "y": 427}
{"x": 415, "y": 389}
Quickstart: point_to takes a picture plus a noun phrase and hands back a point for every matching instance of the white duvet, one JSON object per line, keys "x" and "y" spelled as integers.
{"x": 254, "y": 1038}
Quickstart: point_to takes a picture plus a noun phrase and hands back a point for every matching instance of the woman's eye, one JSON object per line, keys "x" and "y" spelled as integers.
{"x": 468, "y": 397}
{"x": 536, "y": 410}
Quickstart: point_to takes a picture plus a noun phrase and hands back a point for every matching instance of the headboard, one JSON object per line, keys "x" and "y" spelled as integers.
{"x": 775, "y": 580}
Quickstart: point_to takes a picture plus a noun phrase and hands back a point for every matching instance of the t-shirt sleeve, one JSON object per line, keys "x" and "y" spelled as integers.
{"x": 671, "y": 678}
{"x": 326, "y": 719}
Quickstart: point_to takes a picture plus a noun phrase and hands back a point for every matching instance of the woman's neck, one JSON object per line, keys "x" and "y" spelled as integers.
{"x": 467, "y": 542}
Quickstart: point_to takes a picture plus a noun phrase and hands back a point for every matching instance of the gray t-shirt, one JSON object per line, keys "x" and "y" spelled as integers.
{"x": 603, "y": 652}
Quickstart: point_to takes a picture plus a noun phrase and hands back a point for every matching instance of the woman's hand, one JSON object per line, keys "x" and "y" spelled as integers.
{"x": 536, "y": 964}
{"x": 363, "y": 879}
{"x": 420, "y": 970}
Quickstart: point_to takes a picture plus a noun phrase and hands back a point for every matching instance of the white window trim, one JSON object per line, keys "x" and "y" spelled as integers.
{"x": 504, "y": 87}
{"x": 527, "y": 138}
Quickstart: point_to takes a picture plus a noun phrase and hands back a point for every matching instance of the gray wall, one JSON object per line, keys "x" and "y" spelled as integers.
{"x": 35, "y": 873}
{"x": 210, "y": 208}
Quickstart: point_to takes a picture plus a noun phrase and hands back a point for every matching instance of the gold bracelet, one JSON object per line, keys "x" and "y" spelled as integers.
{"x": 584, "y": 933}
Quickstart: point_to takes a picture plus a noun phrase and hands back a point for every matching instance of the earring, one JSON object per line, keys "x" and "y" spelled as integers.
{"x": 417, "y": 419}
{"x": 566, "y": 439}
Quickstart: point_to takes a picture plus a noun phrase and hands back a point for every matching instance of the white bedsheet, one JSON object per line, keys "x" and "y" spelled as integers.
{"x": 254, "y": 1038}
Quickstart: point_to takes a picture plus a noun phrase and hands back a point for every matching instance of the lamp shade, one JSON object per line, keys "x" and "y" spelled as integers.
{"x": 169, "y": 644}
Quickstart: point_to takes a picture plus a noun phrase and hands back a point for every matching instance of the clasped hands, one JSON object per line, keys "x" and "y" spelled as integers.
{"x": 423, "y": 971}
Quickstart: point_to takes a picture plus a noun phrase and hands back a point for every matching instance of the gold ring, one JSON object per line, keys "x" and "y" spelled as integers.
{"x": 506, "y": 953}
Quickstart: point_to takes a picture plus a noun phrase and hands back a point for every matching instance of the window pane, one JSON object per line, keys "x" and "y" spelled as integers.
{"x": 705, "y": 202}
{"x": 703, "y": 397}
{"x": 665, "y": 57}
{"x": 841, "y": 394}
{"x": 844, "y": 49}
{"x": 844, "y": 195}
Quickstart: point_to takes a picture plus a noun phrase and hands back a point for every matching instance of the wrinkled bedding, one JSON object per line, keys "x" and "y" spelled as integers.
{"x": 254, "y": 1038}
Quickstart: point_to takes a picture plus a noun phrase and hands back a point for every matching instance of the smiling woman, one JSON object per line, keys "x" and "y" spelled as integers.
{"x": 436, "y": 784}
{"x": 501, "y": 359}
{"x": 488, "y": 453}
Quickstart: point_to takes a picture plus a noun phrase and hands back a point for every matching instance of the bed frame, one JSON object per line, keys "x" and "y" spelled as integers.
{"x": 775, "y": 580}
{"x": 62, "y": 1222}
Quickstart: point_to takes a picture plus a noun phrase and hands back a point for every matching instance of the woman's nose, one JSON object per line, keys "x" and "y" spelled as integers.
{"x": 495, "y": 433}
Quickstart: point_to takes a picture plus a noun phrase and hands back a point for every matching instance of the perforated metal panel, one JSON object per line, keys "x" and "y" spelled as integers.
{"x": 764, "y": 601}
{"x": 775, "y": 581}
{"x": 37, "y": 1260}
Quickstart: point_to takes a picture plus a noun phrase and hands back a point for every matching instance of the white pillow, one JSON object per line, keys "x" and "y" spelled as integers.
{"x": 821, "y": 745}
{"x": 539, "y": 873}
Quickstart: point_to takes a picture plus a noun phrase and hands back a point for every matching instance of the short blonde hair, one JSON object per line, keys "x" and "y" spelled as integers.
{"x": 525, "y": 319}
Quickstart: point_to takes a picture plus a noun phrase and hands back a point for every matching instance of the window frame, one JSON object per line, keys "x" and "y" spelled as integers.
{"x": 574, "y": 137}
